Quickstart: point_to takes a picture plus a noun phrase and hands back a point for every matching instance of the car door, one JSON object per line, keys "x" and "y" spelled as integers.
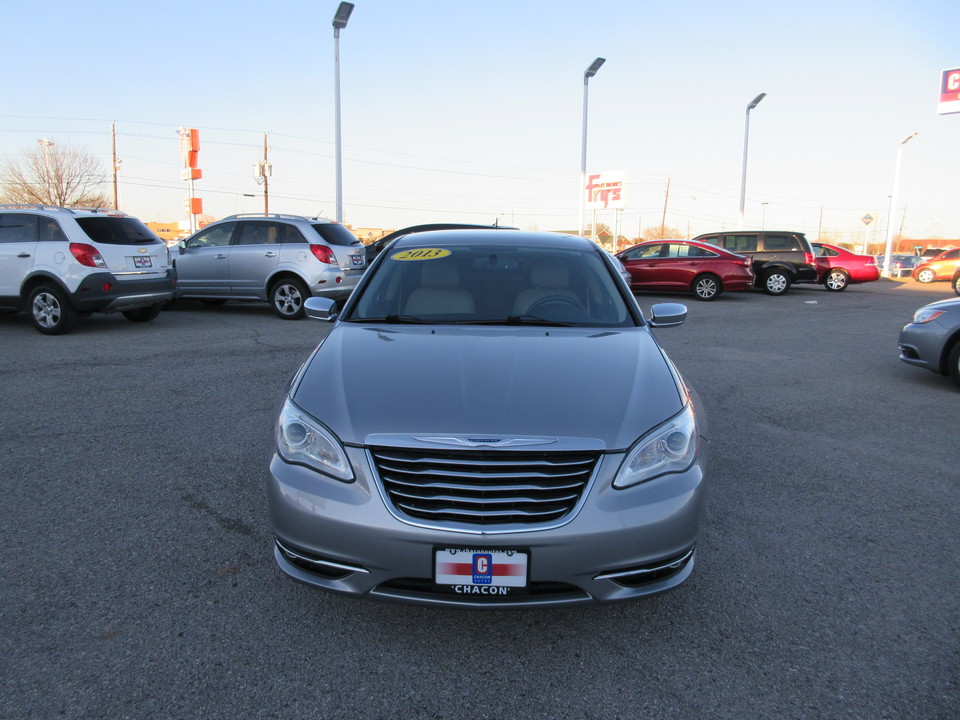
{"x": 948, "y": 263}
{"x": 203, "y": 262}
{"x": 253, "y": 256}
{"x": 643, "y": 264}
{"x": 18, "y": 246}
{"x": 680, "y": 265}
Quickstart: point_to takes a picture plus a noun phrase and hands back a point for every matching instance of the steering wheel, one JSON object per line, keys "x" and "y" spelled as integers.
{"x": 555, "y": 300}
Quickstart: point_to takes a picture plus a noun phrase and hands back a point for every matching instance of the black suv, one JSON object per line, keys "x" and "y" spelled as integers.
{"x": 780, "y": 258}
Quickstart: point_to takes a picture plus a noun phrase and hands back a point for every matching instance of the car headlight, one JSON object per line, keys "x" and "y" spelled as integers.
{"x": 926, "y": 314}
{"x": 668, "y": 448}
{"x": 301, "y": 439}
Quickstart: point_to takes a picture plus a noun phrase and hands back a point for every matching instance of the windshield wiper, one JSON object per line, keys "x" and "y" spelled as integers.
{"x": 535, "y": 320}
{"x": 395, "y": 320}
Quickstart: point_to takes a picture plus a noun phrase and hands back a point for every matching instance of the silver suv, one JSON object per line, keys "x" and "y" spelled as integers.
{"x": 61, "y": 263}
{"x": 283, "y": 259}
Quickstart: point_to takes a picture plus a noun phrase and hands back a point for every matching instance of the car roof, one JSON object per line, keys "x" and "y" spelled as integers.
{"x": 58, "y": 210}
{"x": 494, "y": 236}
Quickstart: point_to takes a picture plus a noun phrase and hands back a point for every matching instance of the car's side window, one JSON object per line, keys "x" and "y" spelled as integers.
{"x": 781, "y": 242}
{"x": 651, "y": 251}
{"x": 952, "y": 255}
{"x": 216, "y": 236}
{"x": 740, "y": 243}
{"x": 290, "y": 234}
{"x": 50, "y": 230}
{"x": 258, "y": 233}
{"x": 682, "y": 250}
{"x": 18, "y": 227}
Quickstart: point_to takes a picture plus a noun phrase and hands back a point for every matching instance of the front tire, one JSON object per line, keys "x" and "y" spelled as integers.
{"x": 953, "y": 363}
{"x": 956, "y": 283}
{"x": 836, "y": 280}
{"x": 776, "y": 282}
{"x": 50, "y": 311}
{"x": 707, "y": 287}
{"x": 926, "y": 276}
{"x": 145, "y": 314}
{"x": 287, "y": 297}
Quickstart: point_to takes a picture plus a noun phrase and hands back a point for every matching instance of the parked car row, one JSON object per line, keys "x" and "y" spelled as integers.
{"x": 715, "y": 263}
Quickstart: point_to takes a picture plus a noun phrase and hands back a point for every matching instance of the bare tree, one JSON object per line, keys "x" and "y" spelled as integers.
{"x": 54, "y": 174}
{"x": 661, "y": 233}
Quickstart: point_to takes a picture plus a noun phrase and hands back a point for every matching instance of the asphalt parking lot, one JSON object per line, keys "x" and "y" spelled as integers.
{"x": 138, "y": 580}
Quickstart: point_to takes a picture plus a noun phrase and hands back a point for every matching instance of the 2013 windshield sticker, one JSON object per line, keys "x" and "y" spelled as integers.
{"x": 421, "y": 254}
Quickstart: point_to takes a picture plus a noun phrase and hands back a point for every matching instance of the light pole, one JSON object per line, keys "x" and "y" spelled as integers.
{"x": 588, "y": 73}
{"x": 746, "y": 143}
{"x": 339, "y": 22}
{"x": 891, "y": 228}
{"x": 46, "y": 144}
{"x": 763, "y": 220}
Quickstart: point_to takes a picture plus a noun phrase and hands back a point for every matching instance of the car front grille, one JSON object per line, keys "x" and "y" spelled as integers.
{"x": 484, "y": 487}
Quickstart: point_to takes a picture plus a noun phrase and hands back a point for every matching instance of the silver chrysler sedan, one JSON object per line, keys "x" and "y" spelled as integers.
{"x": 489, "y": 423}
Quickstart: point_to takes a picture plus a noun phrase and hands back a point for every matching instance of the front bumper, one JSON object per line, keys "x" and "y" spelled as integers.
{"x": 921, "y": 345}
{"x": 621, "y": 544}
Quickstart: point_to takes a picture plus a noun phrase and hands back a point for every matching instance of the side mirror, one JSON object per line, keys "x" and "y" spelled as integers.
{"x": 182, "y": 247}
{"x": 667, "y": 315}
{"x": 318, "y": 308}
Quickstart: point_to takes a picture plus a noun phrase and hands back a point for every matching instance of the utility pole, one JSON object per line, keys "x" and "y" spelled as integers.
{"x": 663, "y": 220}
{"x": 266, "y": 182}
{"x": 262, "y": 172}
{"x": 116, "y": 189}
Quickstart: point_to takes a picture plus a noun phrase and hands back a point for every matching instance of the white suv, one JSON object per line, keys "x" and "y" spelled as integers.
{"x": 59, "y": 264}
{"x": 283, "y": 259}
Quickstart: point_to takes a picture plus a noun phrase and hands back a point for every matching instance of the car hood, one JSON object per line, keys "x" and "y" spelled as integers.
{"x": 610, "y": 386}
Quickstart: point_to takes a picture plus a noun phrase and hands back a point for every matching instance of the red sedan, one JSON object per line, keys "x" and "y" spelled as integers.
{"x": 837, "y": 268}
{"x": 701, "y": 268}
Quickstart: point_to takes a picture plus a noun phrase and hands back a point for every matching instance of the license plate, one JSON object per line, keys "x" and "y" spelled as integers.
{"x": 481, "y": 572}
{"x": 142, "y": 262}
{"x": 358, "y": 260}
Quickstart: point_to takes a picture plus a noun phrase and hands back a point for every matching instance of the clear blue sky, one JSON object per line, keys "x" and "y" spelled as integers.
{"x": 472, "y": 110}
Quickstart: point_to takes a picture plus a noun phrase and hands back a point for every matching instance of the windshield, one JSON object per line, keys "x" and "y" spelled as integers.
{"x": 493, "y": 285}
{"x": 117, "y": 230}
{"x": 336, "y": 234}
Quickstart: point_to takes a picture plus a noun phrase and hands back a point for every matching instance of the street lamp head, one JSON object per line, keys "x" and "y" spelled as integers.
{"x": 756, "y": 101}
{"x": 908, "y": 138}
{"x": 594, "y": 66}
{"x": 342, "y": 16}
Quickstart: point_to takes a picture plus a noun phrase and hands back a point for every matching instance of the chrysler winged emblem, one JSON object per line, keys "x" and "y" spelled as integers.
{"x": 482, "y": 441}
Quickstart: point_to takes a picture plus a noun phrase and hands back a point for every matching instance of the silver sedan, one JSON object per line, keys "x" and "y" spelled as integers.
{"x": 932, "y": 339}
{"x": 490, "y": 423}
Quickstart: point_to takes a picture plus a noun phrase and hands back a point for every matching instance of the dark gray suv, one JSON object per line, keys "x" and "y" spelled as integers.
{"x": 283, "y": 259}
{"x": 780, "y": 257}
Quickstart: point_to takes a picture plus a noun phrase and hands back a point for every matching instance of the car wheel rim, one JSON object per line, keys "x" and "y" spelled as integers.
{"x": 287, "y": 299}
{"x": 925, "y": 276}
{"x": 776, "y": 283}
{"x": 46, "y": 310}
{"x": 706, "y": 288}
{"x": 837, "y": 281}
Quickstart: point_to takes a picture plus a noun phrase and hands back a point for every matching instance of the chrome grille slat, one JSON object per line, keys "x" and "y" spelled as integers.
{"x": 485, "y": 500}
{"x": 484, "y": 487}
{"x": 475, "y": 487}
{"x": 484, "y": 476}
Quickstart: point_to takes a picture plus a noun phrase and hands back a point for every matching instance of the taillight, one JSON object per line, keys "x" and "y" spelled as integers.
{"x": 324, "y": 254}
{"x": 87, "y": 255}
